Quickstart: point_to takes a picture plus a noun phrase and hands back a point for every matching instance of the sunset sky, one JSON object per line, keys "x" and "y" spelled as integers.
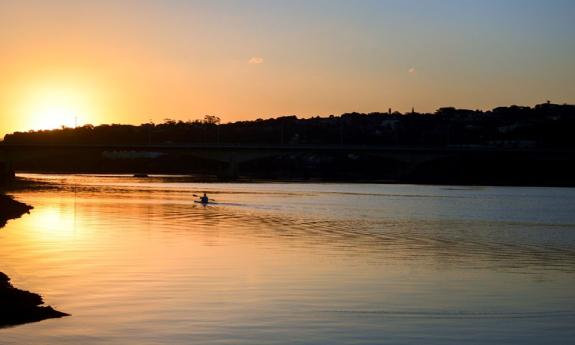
{"x": 135, "y": 61}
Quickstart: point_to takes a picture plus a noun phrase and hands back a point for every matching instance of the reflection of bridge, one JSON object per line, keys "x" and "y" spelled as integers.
{"x": 409, "y": 159}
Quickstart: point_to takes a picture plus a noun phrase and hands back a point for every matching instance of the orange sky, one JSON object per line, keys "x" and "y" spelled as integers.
{"x": 64, "y": 61}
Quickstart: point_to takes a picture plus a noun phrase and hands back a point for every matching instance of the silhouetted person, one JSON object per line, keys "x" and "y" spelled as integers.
{"x": 204, "y": 199}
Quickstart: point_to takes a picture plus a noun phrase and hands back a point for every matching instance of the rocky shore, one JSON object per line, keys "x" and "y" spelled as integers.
{"x": 11, "y": 209}
{"x": 19, "y": 306}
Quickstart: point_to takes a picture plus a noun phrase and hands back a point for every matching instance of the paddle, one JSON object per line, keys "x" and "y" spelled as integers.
{"x": 197, "y": 196}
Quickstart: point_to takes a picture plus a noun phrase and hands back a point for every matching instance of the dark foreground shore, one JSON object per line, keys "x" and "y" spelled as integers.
{"x": 11, "y": 209}
{"x": 19, "y": 306}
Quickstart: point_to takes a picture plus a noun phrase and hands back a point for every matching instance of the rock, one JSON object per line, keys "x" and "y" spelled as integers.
{"x": 19, "y": 306}
{"x": 10, "y": 209}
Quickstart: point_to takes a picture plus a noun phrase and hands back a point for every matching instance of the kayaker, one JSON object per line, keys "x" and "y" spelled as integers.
{"x": 204, "y": 199}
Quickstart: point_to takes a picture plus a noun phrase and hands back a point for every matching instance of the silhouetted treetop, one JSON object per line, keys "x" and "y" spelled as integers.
{"x": 545, "y": 125}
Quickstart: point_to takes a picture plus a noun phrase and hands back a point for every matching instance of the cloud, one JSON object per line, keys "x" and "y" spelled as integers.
{"x": 256, "y": 60}
{"x": 412, "y": 70}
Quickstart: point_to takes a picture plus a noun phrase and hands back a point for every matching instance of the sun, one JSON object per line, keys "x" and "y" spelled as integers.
{"x": 52, "y": 107}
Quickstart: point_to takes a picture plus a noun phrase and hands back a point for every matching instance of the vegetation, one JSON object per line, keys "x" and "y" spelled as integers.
{"x": 508, "y": 145}
{"x": 543, "y": 126}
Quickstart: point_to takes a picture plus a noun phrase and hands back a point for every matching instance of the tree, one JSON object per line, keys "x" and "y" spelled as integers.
{"x": 211, "y": 120}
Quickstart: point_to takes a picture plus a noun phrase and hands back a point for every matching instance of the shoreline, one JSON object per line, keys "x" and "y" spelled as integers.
{"x": 17, "y": 306}
{"x": 11, "y": 209}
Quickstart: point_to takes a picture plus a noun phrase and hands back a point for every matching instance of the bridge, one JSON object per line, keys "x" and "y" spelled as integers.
{"x": 407, "y": 160}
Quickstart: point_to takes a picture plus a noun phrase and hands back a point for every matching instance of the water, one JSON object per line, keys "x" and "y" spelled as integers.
{"x": 136, "y": 261}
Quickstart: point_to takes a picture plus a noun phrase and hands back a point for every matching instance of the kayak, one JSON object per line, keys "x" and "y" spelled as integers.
{"x": 205, "y": 203}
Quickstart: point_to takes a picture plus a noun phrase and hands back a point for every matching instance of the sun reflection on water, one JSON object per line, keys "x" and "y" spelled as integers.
{"x": 133, "y": 261}
{"x": 53, "y": 223}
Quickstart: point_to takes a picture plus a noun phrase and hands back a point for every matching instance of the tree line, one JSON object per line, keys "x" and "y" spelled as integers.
{"x": 542, "y": 126}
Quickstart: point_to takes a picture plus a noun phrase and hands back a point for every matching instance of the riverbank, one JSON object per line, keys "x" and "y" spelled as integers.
{"x": 19, "y": 306}
{"x": 11, "y": 209}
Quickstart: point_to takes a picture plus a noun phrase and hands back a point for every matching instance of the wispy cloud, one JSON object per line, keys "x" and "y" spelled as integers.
{"x": 256, "y": 60}
{"x": 412, "y": 70}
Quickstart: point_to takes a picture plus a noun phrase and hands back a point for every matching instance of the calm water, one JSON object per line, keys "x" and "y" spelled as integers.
{"x": 135, "y": 261}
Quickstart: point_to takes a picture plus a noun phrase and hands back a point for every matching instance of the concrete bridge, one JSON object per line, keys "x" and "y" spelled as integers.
{"x": 408, "y": 160}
